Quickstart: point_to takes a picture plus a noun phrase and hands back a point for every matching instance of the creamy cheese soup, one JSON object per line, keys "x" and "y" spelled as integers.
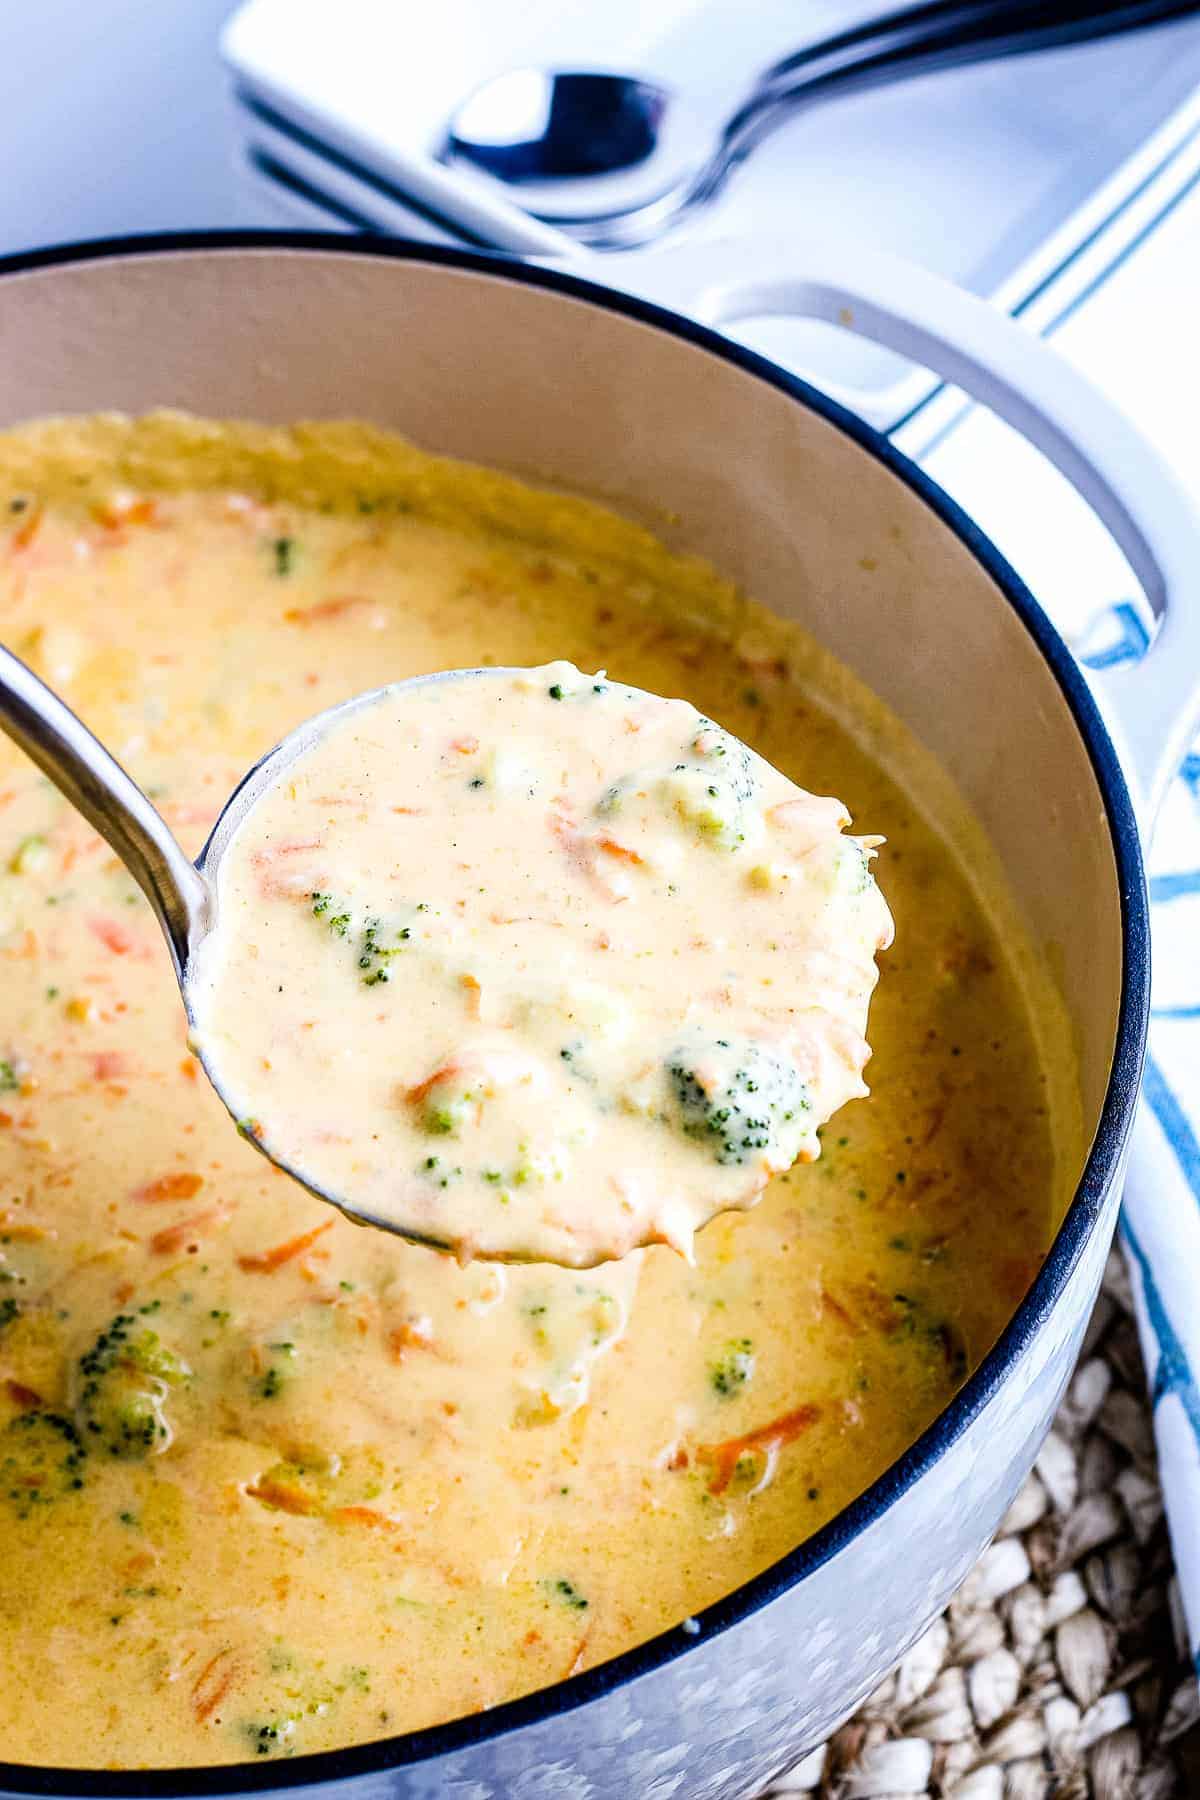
{"x": 532, "y": 964}
{"x": 270, "y": 1482}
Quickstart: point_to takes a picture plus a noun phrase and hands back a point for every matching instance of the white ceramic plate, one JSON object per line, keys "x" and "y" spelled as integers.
{"x": 998, "y": 177}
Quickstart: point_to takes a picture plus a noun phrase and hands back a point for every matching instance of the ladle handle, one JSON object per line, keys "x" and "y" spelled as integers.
{"x": 97, "y": 786}
{"x": 937, "y": 34}
{"x": 915, "y": 40}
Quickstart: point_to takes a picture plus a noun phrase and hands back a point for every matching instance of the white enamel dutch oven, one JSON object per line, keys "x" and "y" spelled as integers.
{"x": 787, "y": 494}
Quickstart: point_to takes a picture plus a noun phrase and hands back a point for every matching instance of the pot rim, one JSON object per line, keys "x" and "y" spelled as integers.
{"x": 1083, "y": 1213}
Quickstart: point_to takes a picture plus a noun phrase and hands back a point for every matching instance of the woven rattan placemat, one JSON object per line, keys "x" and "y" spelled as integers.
{"x": 1060, "y": 1670}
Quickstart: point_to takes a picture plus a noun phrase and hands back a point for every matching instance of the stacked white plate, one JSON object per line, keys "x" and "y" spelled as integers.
{"x": 1025, "y": 179}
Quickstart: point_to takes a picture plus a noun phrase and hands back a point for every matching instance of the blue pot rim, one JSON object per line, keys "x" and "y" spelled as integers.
{"x": 1084, "y": 1213}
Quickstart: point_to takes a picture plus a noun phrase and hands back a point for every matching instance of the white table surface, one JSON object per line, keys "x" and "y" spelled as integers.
{"x": 113, "y": 119}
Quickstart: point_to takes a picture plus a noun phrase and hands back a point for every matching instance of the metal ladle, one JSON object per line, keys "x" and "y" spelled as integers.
{"x": 182, "y": 893}
{"x": 619, "y": 160}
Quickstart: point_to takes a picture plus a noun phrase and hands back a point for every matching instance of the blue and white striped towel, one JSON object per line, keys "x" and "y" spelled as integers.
{"x": 1160, "y": 1222}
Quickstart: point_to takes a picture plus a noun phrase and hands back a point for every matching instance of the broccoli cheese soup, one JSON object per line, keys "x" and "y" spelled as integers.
{"x": 272, "y": 1483}
{"x": 634, "y": 985}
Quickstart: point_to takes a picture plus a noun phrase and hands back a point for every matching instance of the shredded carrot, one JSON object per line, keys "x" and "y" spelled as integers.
{"x": 175, "y": 1237}
{"x": 576, "y": 1662}
{"x": 879, "y": 1309}
{"x": 177, "y": 1186}
{"x": 108, "y": 1065}
{"x": 830, "y": 1304}
{"x": 113, "y": 935}
{"x": 29, "y": 1231}
{"x": 22, "y": 1396}
{"x": 28, "y": 529}
{"x": 613, "y": 848}
{"x": 265, "y": 1262}
{"x": 426, "y": 1087}
{"x": 283, "y": 1497}
{"x": 567, "y": 836}
{"x": 580, "y": 851}
{"x": 334, "y": 608}
{"x": 937, "y": 1118}
{"x": 765, "y": 665}
{"x": 466, "y": 746}
{"x": 212, "y": 1684}
{"x": 473, "y": 991}
{"x": 725, "y": 1456}
{"x": 124, "y": 509}
{"x": 414, "y": 1334}
{"x": 364, "y": 1515}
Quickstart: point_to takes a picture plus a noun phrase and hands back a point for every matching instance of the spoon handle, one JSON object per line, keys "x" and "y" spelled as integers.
{"x": 936, "y": 34}
{"x": 95, "y": 783}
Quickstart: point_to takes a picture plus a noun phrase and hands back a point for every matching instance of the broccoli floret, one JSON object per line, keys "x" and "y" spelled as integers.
{"x": 566, "y": 1593}
{"x": 269, "y": 1384}
{"x": 740, "y": 1100}
{"x": 375, "y": 942}
{"x": 702, "y": 798}
{"x": 31, "y": 854}
{"x": 335, "y": 913}
{"x": 445, "y": 1112}
{"x": 270, "y": 1738}
{"x": 721, "y": 750}
{"x": 41, "y": 1458}
{"x": 732, "y": 1369}
{"x": 123, "y": 1382}
{"x": 709, "y": 789}
{"x": 853, "y": 868}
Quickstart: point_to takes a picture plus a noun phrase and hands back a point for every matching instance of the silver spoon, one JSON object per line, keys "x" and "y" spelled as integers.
{"x": 182, "y": 893}
{"x": 618, "y": 160}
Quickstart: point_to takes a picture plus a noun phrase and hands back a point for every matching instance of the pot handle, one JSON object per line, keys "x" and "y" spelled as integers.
{"x": 1153, "y": 705}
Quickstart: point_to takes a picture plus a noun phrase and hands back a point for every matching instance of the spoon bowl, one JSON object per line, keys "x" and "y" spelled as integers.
{"x": 580, "y": 1097}
{"x": 254, "y": 785}
{"x": 617, "y": 159}
{"x": 575, "y": 144}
